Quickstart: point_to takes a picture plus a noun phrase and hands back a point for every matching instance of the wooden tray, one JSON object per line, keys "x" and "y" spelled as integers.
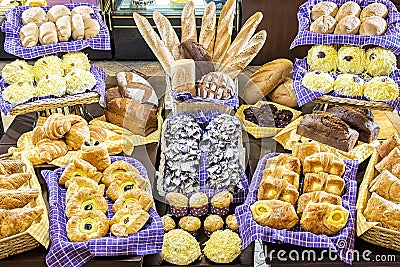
{"x": 363, "y": 104}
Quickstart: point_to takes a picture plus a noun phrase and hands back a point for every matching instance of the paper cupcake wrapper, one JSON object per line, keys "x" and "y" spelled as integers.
{"x": 193, "y": 233}
{"x": 220, "y": 212}
{"x": 179, "y": 212}
{"x": 207, "y": 232}
{"x": 198, "y": 212}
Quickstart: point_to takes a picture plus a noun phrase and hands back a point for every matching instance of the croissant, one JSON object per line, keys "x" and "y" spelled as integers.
{"x": 133, "y": 198}
{"x": 128, "y": 221}
{"x": 124, "y": 183}
{"x": 289, "y": 162}
{"x": 383, "y": 211}
{"x": 77, "y": 135}
{"x": 56, "y": 126}
{"x": 97, "y": 133}
{"x": 92, "y": 28}
{"x": 10, "y": 166}
{"x": 275, "y": 214}
{"x": 86, "y": 199}
{"x": 29, "y": 35}
{"x": 63, "y": 25}
{"x": 38, "y": 135}
{"x": 79, "y": 168}
{"x": 17, "y": 221}
{"x": 317, "y": 197}
{"x": 277, "y": 189}
{"x": 33, "y": 156}
{"x": 84, "y": 11}
{"x": 12, "y": 199}
{"x": 51, "y": 149}
{"x": 116, "y": 170}
{"x": 78, "y": 183}
{"x": 324, "y": 218}
{"x": 281, "y": 172}
{"x": 14, "y": 181}
{"x": 302, "y": 150}
{"x": 323, "y": 182}
{"x": 391, "y": 163}
{"x": 387, "y": 186}
{"x": 324, "y": 162}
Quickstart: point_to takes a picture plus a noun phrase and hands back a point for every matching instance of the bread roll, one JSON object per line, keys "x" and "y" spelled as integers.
{"x": 283, "y": 94}
{"x": 35, "y": 14}
{"x": 188, "y": 22}
{"x": 64, "y": 31}
{"x": 373, "y": 26}
{"x": 167, "y": 33}
{"x": 92, "y": 28}
{"x": 48, "y": 33}
{"x": 58, "y": 11}
{"x": 78, "y": 27}
{"x": 348, "y": 25}
{"x": 323, "y": 8}
{"x": 350, "y": 8}
{"x": 324, "y": 24}
{"x": 266, "y": 78}
{"x": 208, "y": 27}
{"x": 374, "y": 9}
{"x": 29, "y": 35}
{"x": 84, "y": 11}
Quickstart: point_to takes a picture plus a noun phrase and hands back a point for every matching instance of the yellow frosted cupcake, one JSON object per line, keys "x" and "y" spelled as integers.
{"x": 18, "y": 71}
{"x": 318, "y": 81}
{"x": 349, "y": 84}
{"x": 223, "y": 246}
{"x": 380, "y": 61}
{"x": 351, "y": 59}
{"x": 381, "y": 89}
{"x": 47, "y": 65}
{"x": 323, "y": 58}
{"x": 20, "y": 92}
{"x": 180, "y": 247}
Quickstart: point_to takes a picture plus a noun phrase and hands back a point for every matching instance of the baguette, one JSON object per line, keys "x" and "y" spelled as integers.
{"x": 208, "y": 25}
{"x": 266, "y": 78}
{"x": 188, "y": 23}
{"x": 224, "y": 30}
{"x": 241, "y": 60}
{"x": 242, "y": 38}
{"x": 167, "y": 33}
{"x": 158, "y": 47}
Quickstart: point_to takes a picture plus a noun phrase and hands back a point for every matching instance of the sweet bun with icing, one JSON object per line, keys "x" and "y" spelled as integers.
{"x": 128, "y": 221}
{"x": 380, "y": 61}
{"x": 124, "y": 183}
{"x": 349, "y": 84}
{"x": 351, "y": 59}
{"x": 116, "y": 170}
{"x": 79, "y": 183}
{"x": 18, "y": 71}
{"x": 86, "y": 199}
{"x": 96, "y": 154}
{"x": 79, "y": 80}
{"x": 381, "y": 88}
{"x": 87, "y": 225}
{"x": 47, "y": 65}
{"x": 79, "y": 168}
{"x": 133, "y": 198}
{"x": 275, "y": 214}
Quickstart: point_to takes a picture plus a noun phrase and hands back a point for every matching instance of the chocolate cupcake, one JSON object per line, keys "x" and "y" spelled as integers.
{"x": 190, "y": 224}
{"x": 232, "y": 223}
{"x": 213, "y": 223}
{"x": 198, "y": 204}
{"x": 220, "y": 203}
{"x": 178, "y": 204}
{"x": 168, "y": 223}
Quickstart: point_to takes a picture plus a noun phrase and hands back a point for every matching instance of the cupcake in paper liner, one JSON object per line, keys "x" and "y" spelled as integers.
{"x": 220, "y": 203}
{"x": 18, "y": 71}
{"x": 351, "y": 59}
{"x": 180, "y": 247}
{"x": 168, "y": 223}
{"x": 75, "y": 60}
{"x": 381, "y": 89}
{"x": 178, "y": 204}
{"x": 380, "y": 61}
{"x": 231, "y": 222}
{"x": 198, "y": 204}
{"x": 47, "y": 65}
{"x": 223, "y": 247}
{"x": 318, "y": 81}
{"x": 323, "y": 58}
{"x": 213, "y": 223}
{"x": 190, "y": 224}
{"x": 349, "y": 84}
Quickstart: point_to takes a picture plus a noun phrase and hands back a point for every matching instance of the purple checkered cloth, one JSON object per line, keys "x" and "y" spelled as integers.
{"x": 203, "y": 120}
{"x": 342, "y": 242}
{"x": 389, "y": 40}
{"x": 100, "y": 88}
{"x": 187, "y": 97}
{"x": 65, "y": 253}
{"x": 304, "y": 95}
{"x": 12, "y": 44}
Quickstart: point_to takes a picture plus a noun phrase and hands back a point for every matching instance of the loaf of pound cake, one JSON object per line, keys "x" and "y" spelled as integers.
{"x": 326, "y": 128}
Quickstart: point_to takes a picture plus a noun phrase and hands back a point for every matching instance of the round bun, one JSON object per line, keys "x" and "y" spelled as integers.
{"x": 323, "y": 8}
{"x": 348, "y": 25}
{"x": 323, "y": 24}
{"x": 351, "y": 59}
{"x": 374, "y": 9}
{"x": 373, "y": 26}
{"x": 349, "y": 8}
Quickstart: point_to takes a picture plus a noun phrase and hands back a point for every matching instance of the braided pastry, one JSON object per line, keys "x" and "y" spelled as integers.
{"x": 51, "y": 149}
{"x": 56, "y": 126}
{"x": 14, "y": 181}
{"x": 12, "y": 199}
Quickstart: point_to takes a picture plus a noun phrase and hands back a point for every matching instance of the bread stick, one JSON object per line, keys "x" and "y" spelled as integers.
{"x": 167, "y": 33}
{"x": 188, "y": 22}
{"x": 208, "y": 27}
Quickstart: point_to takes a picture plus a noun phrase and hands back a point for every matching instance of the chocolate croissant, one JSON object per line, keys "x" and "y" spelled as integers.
{"x": 275, "y": 214}
{"x": 323, "y": 182}
{"x": 12, "y": 199}
{"x": 16, "y": 221}
{"x": 317, "y": 197}
{"x": 383, "y": 211}
{"x": 387, "y": 186}
{"x": 277, "y": 189}
{"x": 14, "y": 181}
{"x": 281, "y": 172}
{"x": 324, "y": 162}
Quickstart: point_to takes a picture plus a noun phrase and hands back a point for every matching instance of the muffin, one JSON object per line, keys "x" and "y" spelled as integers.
{"x": 75, "y": 60}
{"x": 323, "y": 58}
{"x": 349, "y": 84}
{"x": 168, "y": 223}
{"x": 381, "y": 88}
{"x": 380, "y": 61}
{"x": 79, "y": 80}
{"x": 213, "y": 223}
{"x": 19, "y": 92}
{"x": 47, "y": 65}
{"x": 190, "y": 224}
{"x": 232, "y": 223}
{"x": 318, "y": 81}
{"x": 18, "y": 71}
{"x": 198, "y": 204}
{"x": 220, "y": 203}
{"x": 178, "y": 204}
{"x": 223, "y": 246}
{"x": 180, "y": 247}
{"x": 51, "y": 84}
{"x": 351, "y": 59}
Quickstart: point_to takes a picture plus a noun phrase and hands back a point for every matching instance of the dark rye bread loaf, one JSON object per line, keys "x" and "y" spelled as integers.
{"x": 358, "y": 120}
{"x": 326, "y": 128}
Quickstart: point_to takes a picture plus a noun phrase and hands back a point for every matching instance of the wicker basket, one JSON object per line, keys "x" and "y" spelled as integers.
{"x": 362, "y": 104}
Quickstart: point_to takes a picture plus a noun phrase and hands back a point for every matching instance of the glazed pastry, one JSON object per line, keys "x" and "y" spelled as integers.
{"x": 86, "y": 199}
{"x": 168, "y": 223}
{"x": 87, "y": 225}
{"x": 323, "y": 182}
{"x": 231, "y": 222}
{"x": 323, "y": 25}
{"x": 349, "y": 84}
{"x": 275, "y": 214}
{"x": 348, "y": 25}
{"x": 92, "y": 28}
{"x": 79, "y": 168}
{"x": 63, "y": 26}
{"x": 10, "y": 166}
{"x": 220, "y": 203}
{"x": 51, "y": 84}
{"x": 317, "y": 197}
{"x": 322, "y": 57}
{"x": 124, "y": 183}
{"x": 324, "y": 162}
{"x": 78, "y": 136}
{"x": 324, "y": 218}
{"x": 79, "y": 80}
{"x": 388, "y": 145}
{"x": 223, "y": 247}
{"x": 290, "y": 162}
{"x": 58, "y": 11}
{"x": 79, "y": 183}
{"x": 96, "y": 154}
{"x": 323, "y": 8}
{"x": 190, "y": 224}
{"x": 48, "y": 33}
{"x": 134, "y": 198}
{"x": 16, "y": 221}
{"x": 350, "y": 8}
{"x": 213, "y": 223}
{"x": 277, "y": 189}
{"x": 19, "y": 92}
{"x": 380, "y": 61}
{"x": 302, "y": 150}
{"x": 77, "y": 27}
{"x": 391, "y": 163}
{"x": 178, "y": 204}
{"x": 47, "y": 65}
{"x": 36, "y": 15}
{"x": 38, "y": 134}
{"x": 97, "y": 134}
{"x": 318, "y": 81}
{"x": 387, "y": 186}
{"x": 84, "y": 11}
{"x": 280, "y": 172}
{"x": 128, "y": 221}
{"x": 373, "y": 26}
{"x": 198, "y": 204}
{"x": 14, "y": 181}
{"x": 29, "y": 35}
{"x": 56, "y": 126}
{"x": 383, "y": 211}
{"x": 374, "y": 9}
{"x": 18, "y": 71}
{"x": 75, "y": 60}
{"x": 12, "y": 199}
{"x": 381, "y": 88}
{"x": 351, "y": 59}
{"x": 116, "y": 170}
{"x": 51, "y": 149}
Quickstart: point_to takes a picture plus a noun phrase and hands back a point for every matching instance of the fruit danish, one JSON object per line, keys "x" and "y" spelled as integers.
{"x": 133, "y": 198}
{"x": 87, "y": 225}
{"x": 96, "y": 154}
{"x": 281, "y": 172}
{"x": 323, "y": 182}
{"x": 275, "y": 214}
{"x": 128, "y": 221}
{"x": 124, "y": 183}
{"x": 12, "y": 199}
{"x": 116, "y": 169}
{"x": 80, "y": 183}
{"x": 17, "y": 220}
{"x": 87, "y": 199}
{"x": 79, "y": 168}
{"x": 277, "y": 189}
{"x": 317, "y": 197}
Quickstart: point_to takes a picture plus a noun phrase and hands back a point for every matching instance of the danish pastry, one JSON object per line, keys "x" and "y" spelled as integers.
{"x": 97, "y": 134}
{"x": 51, "y": 149}
{"x": 281, "y": 172}
{"x": 324, "y": 162}
{"x": 317, "y": 197}
{"x": 16, "y": 221}
{"x": 128, "y": 221}
{"x": 133, "y": 198}
{"x": 79, "y": 168}
{"x": 387, "y": 186}
{"x": 289, "y": 162}
{"x": 124, "y": 183}
{"x": 96, "y": 154}
{"x": 79, "y": 183}
{"x": 116, "y": 170}
{"x": 14, "y": 181}
{"x": 87, "y": 225}
{"x": 391, "y": 162}
{"x": 324, "y": 218}
{"x": 301, "y": 150}
{"x": 84, "y": 200}
{"x": 383, "y": 211}
{"x": 56, "y": 126}
{"x": 12, "y": 199}
{"x": 323, "y": 182}
{"x": 277, "y": 189}
{"x": 11, "y": 166}
{"x": 388, "y": 145}
{"x": 275, "y": 214}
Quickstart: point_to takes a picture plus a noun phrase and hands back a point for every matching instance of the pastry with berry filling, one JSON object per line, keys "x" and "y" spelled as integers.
{"x": 87, "y": 225}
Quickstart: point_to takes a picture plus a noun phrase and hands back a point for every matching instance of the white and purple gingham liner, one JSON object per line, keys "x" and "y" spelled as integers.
{"x": 187, "y": 97}
{"x": 12, "y": 44}
{"x": 74, "y": 254}
{"x": 304, "y": 95}
{"x": 390, "y": 39}
{"x": 100, "y": 88}
{"x": 342, "y": 242}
